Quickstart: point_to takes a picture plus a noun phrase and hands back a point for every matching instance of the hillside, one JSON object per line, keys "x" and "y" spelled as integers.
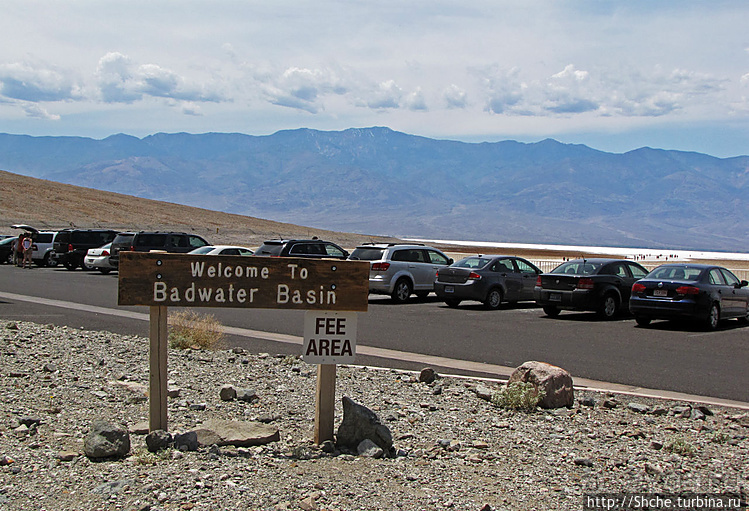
{"x": 50, "y": 205}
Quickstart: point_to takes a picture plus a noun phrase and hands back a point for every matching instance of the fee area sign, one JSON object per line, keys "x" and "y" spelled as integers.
{"x": 329, "y": 337}
{"x": 183, "y": 280}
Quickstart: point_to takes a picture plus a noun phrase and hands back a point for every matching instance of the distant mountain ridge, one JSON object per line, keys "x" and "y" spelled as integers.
{"x": 381, "y": 181}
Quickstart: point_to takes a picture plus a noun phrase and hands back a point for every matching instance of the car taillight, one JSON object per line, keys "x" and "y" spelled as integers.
{"x": 687, "y": 290}
{"x": 105, "y": 253}
{"x": 474, "y": 276}
{"x": 538, "y": 281}
{"x": 585, "y": 283}
{"x": 380, "y": 266}
{"x": 70, "y": 247}
{"x": 132, "y": 248}
{"x": 638, "y": 288}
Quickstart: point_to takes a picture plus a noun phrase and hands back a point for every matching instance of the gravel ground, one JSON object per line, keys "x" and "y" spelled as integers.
{"x": 455, "y": 450}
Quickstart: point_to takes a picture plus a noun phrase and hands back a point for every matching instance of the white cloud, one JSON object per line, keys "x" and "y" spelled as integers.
{"x": 387, "y": 95}
{"x": 28, "y": 82}
{"x": 416, "y": 101}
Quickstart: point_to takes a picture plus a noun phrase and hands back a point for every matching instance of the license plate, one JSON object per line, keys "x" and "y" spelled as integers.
{"x": 555, "y": 297}
{"x": 660, "y": 292}
{"x": 449, "y": 289}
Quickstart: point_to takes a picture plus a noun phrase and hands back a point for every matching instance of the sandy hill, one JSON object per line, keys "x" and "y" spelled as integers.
{"x": 50, "y": 205}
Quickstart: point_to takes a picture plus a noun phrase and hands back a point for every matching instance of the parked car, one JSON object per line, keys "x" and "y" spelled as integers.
{"x": 697, "y": 292}
{"x": 145, "y": 241}
{"x": 222, "y": 250}
{"x": 315, "y": 249}
{"x": 44, "y": 250}
{"x": 6, "y": 249}
{"x": 399, "y": 270}
{"x": 98, "y": 259}
{"x": 491, "y": 279}
{"x": 123, "y": 241}
{"x": 71, "y": 245}
{"x": 601, "y": 285}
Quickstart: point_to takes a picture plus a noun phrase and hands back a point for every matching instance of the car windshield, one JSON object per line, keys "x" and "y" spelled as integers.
{"x": 472, "y": 262}
{"x": 689, "y": 273}
{"x": 367, "y": 254}
{"x": 578, "y": 268}
{"x": 202, "y": 250}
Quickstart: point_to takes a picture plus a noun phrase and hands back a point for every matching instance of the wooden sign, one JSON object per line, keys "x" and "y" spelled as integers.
{"x": 183, "y": 280}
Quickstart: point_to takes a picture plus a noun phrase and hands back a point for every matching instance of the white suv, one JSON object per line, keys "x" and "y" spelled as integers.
{"x": 399, "y": 270}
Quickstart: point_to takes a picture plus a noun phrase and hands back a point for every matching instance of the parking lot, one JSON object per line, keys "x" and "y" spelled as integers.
{"x": 669, "y": 356}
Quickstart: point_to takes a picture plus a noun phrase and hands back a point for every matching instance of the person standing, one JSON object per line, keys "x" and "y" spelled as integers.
{"x": 28, "y": 249}
{"x": 18, "y": 249}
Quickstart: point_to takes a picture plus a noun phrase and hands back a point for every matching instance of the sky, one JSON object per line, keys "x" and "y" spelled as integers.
{"x": 613, "y": 75}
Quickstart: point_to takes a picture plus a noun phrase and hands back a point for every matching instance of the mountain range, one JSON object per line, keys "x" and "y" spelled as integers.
{"x": 379, "y": 181}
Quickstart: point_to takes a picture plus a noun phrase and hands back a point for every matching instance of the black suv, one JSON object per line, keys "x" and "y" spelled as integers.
{"x": 145, "y": 241}
{"x": 71, "y": 245}
{"x": 315, "y": 249}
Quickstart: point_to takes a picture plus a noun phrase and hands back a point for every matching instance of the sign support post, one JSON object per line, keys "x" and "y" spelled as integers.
{"x": 157, "y": 418}
{"x": 325, "y": 402}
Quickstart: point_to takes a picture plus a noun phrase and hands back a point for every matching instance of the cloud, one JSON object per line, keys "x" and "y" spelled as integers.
{"x": 386, "y": 95}
{"x": 38, "y": 112}
{"x": 301, "y": 88}
{"x": 121, "y": 81}
{"x": 27, "y": 82}
{"x": 455, "y": 97}
{"x": 415, "y": 101}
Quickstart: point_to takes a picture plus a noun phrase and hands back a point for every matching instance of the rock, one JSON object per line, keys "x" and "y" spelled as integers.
{"x": 49, "y": 368}
{"x": 237, "y": 433}
{"x": 682, "y": 411}
{"x": 328, "y": 447}
{"x": 638, "y": 407}
{"x": 588, "y": 401}
{"x": 106, "y": 440}
{"x": 186, "y": 441}
{"x": 138, "y": 388}
{"x": 158, "y": 440}
{"x": 198, "y": 407}
{"x": 427, "y": 375}
{"x": 554, "y": 381}
{"x": 227, "y": 393}
{"x": 30, "y": 421}
{"x": 484, "y": 392}
{"x": 369, "y": 449}
{"x": 697, "y": 414}
{"x": 247, "y": 395}
{"x": 141, "y": 428}
{"x": 173, "y": 392}
{"x": 113, "y": 488}
{"x": 359, "y": 423}
{"x": 610, "y": 404}
{"x": 583, "y": 462}
{"x": 67, "y": 455}
{"x": 704, "y": 409}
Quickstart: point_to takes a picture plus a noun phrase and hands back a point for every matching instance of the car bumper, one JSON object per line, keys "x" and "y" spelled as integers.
{"x": 465, "y": 291}
{"x": 99, "y": 262}
{"x": 579, "y": 299}
{"x": 380, "y": 285}
{"x": 667, "y": 309}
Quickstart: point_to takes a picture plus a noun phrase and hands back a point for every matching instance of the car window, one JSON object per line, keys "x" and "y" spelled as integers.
{"x": 44, "y": 237}
{"x": 368, "y": 254}
{"x": 637, "y": 272}
{"x": 230, "y": 251}
{"x": 503, "y": 266}
{"x": 151, "y": 240}
{"x": 617, "y": 269}
{"x": 332, "y": 250}
{"x": 196, "y": 241}
{"x": 178, "y": 240}
{"x": 400, "y": 255}
{"x": 524, "y": 267}
{"x": 244, "y": 251}
{"x": 577, "y": 268}
{"x": 472, "y": 262}
{"x": 731, "y": 279}
{"x": 436, "y": 257}
{"x": 716, "y": 277}
{"x": 676, "y": 273}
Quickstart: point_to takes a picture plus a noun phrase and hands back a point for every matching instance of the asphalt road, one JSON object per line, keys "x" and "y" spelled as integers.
{"x": 667, "y": 356}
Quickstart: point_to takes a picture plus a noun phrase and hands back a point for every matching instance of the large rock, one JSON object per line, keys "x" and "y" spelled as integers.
{"x": 360, "y": 423}
{"x": 554, "y": 381}
{"x": 106, "y": 440}
{"x": 237, "y": 433}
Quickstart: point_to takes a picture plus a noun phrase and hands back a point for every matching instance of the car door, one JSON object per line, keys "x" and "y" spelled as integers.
{"x": 740, "y": 295}
{"x": 635, "y": 273}
{"x": 505, "y": 269}
{"x": 435, "y": 261}
{"x": 725, "y": 293}
{"x": 528, "y": 276}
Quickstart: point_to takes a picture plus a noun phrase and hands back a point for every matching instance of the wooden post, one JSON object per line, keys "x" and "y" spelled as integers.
{"x": 158, "y": 378}
{"x": 325, "y": 401}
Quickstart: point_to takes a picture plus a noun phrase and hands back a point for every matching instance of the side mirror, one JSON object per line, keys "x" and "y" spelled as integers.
{"x": 743, "y": 283}
{"x": 450, "y": 261}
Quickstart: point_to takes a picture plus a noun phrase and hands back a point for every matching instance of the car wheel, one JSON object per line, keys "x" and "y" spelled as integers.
{"x": 609, "y": 307}
{"x": 493, "y": 299}
{"x": 642, "y": 320}
{"x": 9, "y": 259}
{"x": 70, "y": 265}
{"x": 50, "y": 260}
{"x": 713, "y": 317}
{"x": 452, "y": 302}
{"x": 551, "y": 311}
{"x": 105, "y": 271}
{"x": 402, "y": 291}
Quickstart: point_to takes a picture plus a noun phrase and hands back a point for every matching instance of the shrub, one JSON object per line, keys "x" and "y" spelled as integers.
{"x": 523, "y": 396}
{"x": 680, "y": 446}
{"x": 189, "y": 329}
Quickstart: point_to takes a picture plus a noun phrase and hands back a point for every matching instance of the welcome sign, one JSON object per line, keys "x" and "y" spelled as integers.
{"x": 183, "y": 280}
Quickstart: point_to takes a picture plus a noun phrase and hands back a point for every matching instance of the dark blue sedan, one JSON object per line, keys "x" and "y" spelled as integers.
{"x": 700, "y": 292}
